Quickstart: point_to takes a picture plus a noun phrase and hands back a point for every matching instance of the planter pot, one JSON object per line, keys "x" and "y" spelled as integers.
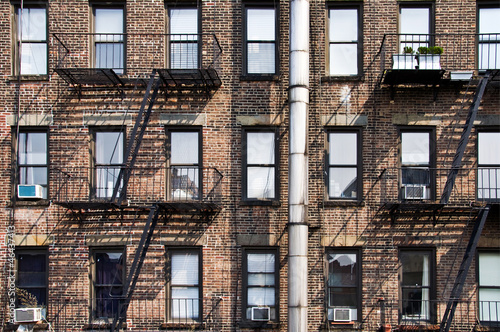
{"x": 429, "y": 61}
{"x": 460, "y": 75}
{"x": 403, "y": 61}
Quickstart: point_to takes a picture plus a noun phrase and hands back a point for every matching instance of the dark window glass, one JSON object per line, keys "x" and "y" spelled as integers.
{"x": 32, "y": 278}
{"x": 108, "y": 282}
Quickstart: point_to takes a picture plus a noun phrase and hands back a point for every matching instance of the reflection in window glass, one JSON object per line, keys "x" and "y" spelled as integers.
{"x": 415, "y": 284}
{"x": 32, "y": 274}
{"x": 489, "y": 286}
{"x": 415, "y": 148}
{"x": 343, "y": 34}
{"x": 261, "y": 167}
{"x": 343, "y": 282}
{"x": 261, "y": 282}
{"x": 488, "y": 156}
{"x": 33, "y": 37}
{"x": 261, "y": 40}
{"x": 33, "y": 160}
{"x": 185, "y": 290}
{"x": 489, "y": 40}
{"x": 183, "y": 38}
{"x": 108, "y": 161}
{"x": 343, "y": 165}
{"x": 414, "y": 25}
{"x": 108, "y": 283}
{"x": 184, "y": 165}
{"x": 109, "y": 48}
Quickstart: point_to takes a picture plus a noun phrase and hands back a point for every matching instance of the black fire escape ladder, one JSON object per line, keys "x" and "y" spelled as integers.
{"x": 135, "y": 140}
{"x": 458, "y": 286}
{"x": 135, "y": 269}
{"x": 464, "y": 139}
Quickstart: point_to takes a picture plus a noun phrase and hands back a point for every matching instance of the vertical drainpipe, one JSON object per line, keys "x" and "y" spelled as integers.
{"x": 298, "y": 166}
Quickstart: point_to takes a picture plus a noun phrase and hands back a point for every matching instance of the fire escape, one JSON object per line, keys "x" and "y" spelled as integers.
{"x": 457, "y": 70}
{"x": 189, "y": 75}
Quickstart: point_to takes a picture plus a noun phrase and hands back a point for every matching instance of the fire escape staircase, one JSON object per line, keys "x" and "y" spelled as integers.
{"x": 480, "y": 219}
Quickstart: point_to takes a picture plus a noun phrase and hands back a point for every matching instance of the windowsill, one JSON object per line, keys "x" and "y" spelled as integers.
{"x": 339, "y": 202}
{"x": 27, "y": 78}
{"x": 263, "y": 325}
{"x": 99, "y": 326}
{"x": 38, "y": 202}
{"x": 260, "y": 203}
{"x": 353, "y": 78}
{"x": 36, "y": 326}
{"x": 181, "y": 326}
{"x": 345, "y": 326}
{"x": 260, "y": 77}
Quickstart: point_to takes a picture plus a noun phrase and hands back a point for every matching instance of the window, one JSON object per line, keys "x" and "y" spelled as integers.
{"x": 345, "y": 41}
{"x": 184, "y": 163}
{"x": 415, "y": 26}
{"x": 108, "y": 274}
{"x": 32, "y": 277}
{"x": 184, "y": 281}
{"x": 344, "y": 285}
{"x": 109, "y": 28}
{"x": 32, "y": 162}
{"x": 489, "y": 37}
{"x": 416, "y": 289}
{"x": 260, "y": 40}
{"x": 260, "y": 168}
{"x": 489, "y": 286}
{"x": 183, "y": 38}
{"x": 417, "y": 160}
{"x": 108, "y": 160}
{"x": 260, "y": 291}
{"x": 344, "y": 164}
{"x": 488, "y": 166}
{"x": 31, "y": 40}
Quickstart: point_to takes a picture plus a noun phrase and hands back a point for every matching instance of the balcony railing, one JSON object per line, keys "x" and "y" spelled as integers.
{"x": 122, "y": 59}
{"x": 427, "y": 315}
{"x": 424, "y": 184}
{"x": 150, "y": 313}
{"x": 146, "y": 185}
{"x": 463, "y": 55}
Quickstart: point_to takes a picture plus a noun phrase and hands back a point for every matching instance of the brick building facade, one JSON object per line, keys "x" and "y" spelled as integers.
{"x": 145, "y": 153}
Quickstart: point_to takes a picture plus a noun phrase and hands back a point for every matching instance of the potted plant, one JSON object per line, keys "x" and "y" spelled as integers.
{"x": 406, "y": 60}
{"x": 429, "y": 57}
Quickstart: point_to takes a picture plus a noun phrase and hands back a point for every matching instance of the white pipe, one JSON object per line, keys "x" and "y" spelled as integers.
{"x": 298, "y": 166}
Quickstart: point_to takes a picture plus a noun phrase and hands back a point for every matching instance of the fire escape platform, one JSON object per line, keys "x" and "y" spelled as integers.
{"x": 431, "y": 210}
{"x": 395, "y": 77}
{"x": 90, "y": 76}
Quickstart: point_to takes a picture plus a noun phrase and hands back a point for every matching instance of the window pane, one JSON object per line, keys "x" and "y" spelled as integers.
{"x": 261, "y": 279}
{"x": 343, "y": 182}
{"x": 261, "y": 24}
{"x": 33, "y": 175}
{"x": 184, "y": 21}
{"x": 415, "y": 269}
{"x": 184, "y": 148}
{"x": 488, "y": 20}
{"x": 343, "y": 25}
{"x": 343, "y": 59}
{"x": 34, "y": 22}
{"x": 489, "y": 55}
{"x": 489, "y": 269}
{"x": 260, "y": 148}
{"x": 415, "y": 148}
{"x": 260, "y": 182}
{"x": 489, "y": 304}
{"x": 185, "y": 183}
{"x": 343, "y": 297}
{"x": 417, "y": 176}
{"x": 342, "y": 270}
{"x": 414, "y": 20}
{"x": 261, "y": 296}
{"x": 416, "y": 303}
{"x": 109, "y": 268}
{"x": 109, "y": 148}
{"x": 109, "y": 55}
{"x": 489, "y": 148}
{"x": 488, "y": 183}
{"x": 261, "y": 58}
{"x": 263, "y": 263}
{"x": 185, "y": 302}
{"x": 34, "y": 59}
{"x": 184, "y": 55}
{"x": 184, "y": 268}
{"x": 109, "y": 20}
{"x": 343, "y": 148}
{"x": 32, "y": 148}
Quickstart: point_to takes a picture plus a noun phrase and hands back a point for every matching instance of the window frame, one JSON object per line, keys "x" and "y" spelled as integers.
{"x": 169, "y": 285}
{"x": 486, "y": 5}
{"x": 245, "y": 166}
{"x": 480, "y": 251}
{"x": 432, "y": 160}
{"x": 17, "y": 180}
{"x": 359, "y": 162}
{"x": 168, "y": 148}
{"x": 359, "y": 280}
{"x": 487, "y": 166}
{"x": 33, "y": 251}
{"x": 245, "y": 322}
{"x": 432, "y": 19}
{"x": 431, "y": 252}
{"x": 260, "y": 5}
{"x": 93, "y": 156}
{"x": 359, "y": 42}
{"x": 92, "y": 276}
{"x": 16, "y": 65}
{"x": 119, "y": 5}
{"x": 198, "y": 40}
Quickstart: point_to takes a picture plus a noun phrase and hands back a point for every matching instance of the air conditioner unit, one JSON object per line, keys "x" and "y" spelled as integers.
{"x": 29, "y": 191}
{"x": 261, "y": 313}
{"x": 28, "y": 315}
{"x": 341, "y": 315}
{"x": 415, "y": 191}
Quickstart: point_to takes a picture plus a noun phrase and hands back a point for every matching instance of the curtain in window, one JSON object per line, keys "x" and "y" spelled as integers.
{"x": 261, "y": 41}
{"x": 343, "y": 34}
{"x": 260, "y": 161}
{"x": 32, "y": 159}
{"x": 184, "y": 38}
{"x": 109, "y": 39}
{"x": 33, "y": 40}
{"x": 342, "y": 159}
{"x": 109, "y": 158}
{"x": 261, "y": 279}
{"x": 184, "y": 162}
